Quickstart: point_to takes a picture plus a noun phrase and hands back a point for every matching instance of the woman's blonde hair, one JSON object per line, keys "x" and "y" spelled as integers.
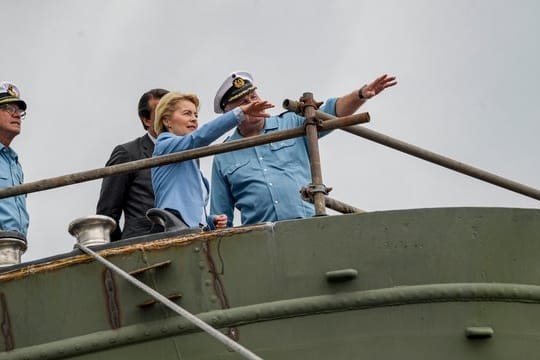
{"x": 167, "y": 105}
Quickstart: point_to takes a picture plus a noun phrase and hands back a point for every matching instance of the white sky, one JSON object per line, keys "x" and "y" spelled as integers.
{"x": 468, "y": 88}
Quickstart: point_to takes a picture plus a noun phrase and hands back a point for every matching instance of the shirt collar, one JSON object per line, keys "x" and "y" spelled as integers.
{"x": 270, "y": 123}
{"x": 151, "y": 137}
{"x": 8, "y": 150}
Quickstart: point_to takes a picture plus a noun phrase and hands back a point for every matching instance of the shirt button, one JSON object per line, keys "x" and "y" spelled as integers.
{"x": 265, "y": 169}
{"x": 276, "y": 201}
{"x": 261, "y": 158}
{"x": 270, "y": 184}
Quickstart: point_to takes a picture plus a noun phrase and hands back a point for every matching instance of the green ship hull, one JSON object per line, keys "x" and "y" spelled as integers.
{"x": 449, "y": 283}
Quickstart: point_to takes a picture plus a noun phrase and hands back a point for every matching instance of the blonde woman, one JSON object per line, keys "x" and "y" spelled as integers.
{"x": 180, "y": 187}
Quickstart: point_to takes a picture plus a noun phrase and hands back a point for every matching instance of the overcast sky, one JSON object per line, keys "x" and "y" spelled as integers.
{"x": 468, "y": 73}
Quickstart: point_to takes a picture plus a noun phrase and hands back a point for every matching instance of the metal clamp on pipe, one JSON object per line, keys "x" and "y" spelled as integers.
{"x": 305, "y": 100}
{"x": 313, "y": 121}
{"x": 309, "y": 191}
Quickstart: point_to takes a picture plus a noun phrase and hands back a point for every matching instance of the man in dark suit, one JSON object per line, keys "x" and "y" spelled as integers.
{"x": 131, "y": 193}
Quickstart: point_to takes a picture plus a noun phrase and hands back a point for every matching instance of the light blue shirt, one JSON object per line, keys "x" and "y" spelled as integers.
{"x": 13, "y": 213}
{"x": 264, "y": 182}
{"x": 178, "y": 186}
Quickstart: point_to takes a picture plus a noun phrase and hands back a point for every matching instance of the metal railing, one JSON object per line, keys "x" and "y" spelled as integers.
{"x": 98, "y": 173}
{"x": 316, "y": 191}
{"x": 424, "y": 154}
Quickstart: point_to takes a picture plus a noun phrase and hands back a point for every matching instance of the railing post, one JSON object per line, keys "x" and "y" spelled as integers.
{"x": 316, "y": 189}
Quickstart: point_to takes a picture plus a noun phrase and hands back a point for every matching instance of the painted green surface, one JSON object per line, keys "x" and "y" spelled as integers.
{"x": 278, "y": 275}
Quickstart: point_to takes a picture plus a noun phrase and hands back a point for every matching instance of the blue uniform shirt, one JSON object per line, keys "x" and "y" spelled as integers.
{"x": 13, "y": 213}
{"x": 264, "y": 182}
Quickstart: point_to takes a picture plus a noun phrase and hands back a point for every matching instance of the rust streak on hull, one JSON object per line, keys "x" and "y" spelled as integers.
{"x": 5, "y": 325}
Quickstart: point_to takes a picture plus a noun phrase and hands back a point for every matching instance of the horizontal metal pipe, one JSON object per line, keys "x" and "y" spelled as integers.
{"x": 333, "y": 204}
{"x": 281, "y": 309}
{"x": 427, "y": 155}
{"x": 88, "y": 175}
{"x": 341, "y": 207}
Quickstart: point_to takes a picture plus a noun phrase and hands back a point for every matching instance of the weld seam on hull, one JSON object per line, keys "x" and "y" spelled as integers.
{"x": 322, "y": 304}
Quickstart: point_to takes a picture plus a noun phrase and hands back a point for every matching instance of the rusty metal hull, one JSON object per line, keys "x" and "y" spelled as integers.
{"x": 430, "y": 283}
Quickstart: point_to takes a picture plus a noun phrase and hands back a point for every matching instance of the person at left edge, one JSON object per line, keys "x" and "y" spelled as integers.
{"x": 131, "y": 194}
{"x": 13, "y": 213}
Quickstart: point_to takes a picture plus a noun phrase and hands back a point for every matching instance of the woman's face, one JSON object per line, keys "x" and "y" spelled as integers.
{"x": 184, "y": 119}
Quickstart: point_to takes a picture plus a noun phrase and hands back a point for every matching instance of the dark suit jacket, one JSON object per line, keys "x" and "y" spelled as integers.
{"x": 129, "y": 193}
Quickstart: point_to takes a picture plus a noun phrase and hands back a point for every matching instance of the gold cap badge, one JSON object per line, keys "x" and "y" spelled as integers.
{"x": 238, "y": 83}
{"x": 12, "y": 91}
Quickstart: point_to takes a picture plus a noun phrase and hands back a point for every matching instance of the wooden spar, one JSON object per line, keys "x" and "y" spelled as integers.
{"x": 89, "y": 175}
{"x": 427, "y": 155}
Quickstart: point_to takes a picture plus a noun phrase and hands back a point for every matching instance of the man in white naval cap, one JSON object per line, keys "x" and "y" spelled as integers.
{"x": 264, "y": 182}
{"x": 13, "y": 214}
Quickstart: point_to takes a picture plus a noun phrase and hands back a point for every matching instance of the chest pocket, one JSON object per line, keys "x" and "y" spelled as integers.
{"x": 285, "y": 151}
{"x": 232, "y": 170}
{"x": 282, "y": 145}
{"x": 4, "y": 181}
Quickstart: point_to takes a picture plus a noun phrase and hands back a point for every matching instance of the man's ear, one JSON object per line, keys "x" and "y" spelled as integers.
{"x": 148, "y": 122}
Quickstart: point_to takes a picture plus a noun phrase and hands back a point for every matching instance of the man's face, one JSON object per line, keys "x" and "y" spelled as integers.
{"x": 10, "y": 119}
{"x": 244, "y": 100}
{"x": 252, "y": 124}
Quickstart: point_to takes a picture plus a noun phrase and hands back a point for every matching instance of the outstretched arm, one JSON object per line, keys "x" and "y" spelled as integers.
{"x": 348, "y": 104}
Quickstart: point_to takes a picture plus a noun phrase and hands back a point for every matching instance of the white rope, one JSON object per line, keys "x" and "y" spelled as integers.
{"x": 174, "y": 307}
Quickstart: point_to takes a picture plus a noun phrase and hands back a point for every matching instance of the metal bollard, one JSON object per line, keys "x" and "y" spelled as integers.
{"x": 92, "y": 230}
{"x": 12, "y": 246}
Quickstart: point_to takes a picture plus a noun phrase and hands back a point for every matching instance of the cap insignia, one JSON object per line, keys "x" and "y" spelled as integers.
{"x": 238, "y": 83}
{"x": 11, "y": 91}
